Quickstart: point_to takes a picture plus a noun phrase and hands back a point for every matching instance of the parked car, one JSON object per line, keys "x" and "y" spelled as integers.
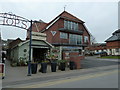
{"x": 103, "y": 53}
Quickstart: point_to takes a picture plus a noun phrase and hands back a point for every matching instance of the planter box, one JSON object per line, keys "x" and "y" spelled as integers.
{"x": 72, "y": 65}
{"x": 53, "y": 66}
{"x": 33, "y": 68}
{"x": 43, "y": 67}
{"x": 62, "y": 66}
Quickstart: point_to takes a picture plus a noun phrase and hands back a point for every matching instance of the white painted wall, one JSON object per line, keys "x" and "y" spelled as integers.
{"x": 113, "y": 52}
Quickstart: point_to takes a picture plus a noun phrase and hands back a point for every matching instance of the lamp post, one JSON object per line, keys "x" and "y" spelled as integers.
{"x": 30, "y": 43}
{"x": 10, "y": 19}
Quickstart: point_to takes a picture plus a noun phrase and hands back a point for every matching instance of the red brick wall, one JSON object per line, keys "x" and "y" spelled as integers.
{"x": 36, "y": 27}
{"x": 74, "y": 56}
{"x": 54, "y": 27}
{"x": 97, "y": 47}
{"x": 56, "y": 38}
{"x": 65, "y": 14}
{"x": 113, "y": 44}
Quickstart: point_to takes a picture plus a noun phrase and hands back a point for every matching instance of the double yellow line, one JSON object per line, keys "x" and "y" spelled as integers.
{"x": 41, "y": 85}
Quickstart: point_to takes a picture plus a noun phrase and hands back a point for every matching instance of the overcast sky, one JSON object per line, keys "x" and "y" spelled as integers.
{"x": 101, "y": 18}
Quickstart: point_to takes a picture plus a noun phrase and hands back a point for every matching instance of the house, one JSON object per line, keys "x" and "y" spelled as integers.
{"x": 20, "y": 49}
{"x": 67, "y": 33}
{"x": 96, "y": 48}
{"x": 113, "y": 43}
{"x": 11, "y": 44}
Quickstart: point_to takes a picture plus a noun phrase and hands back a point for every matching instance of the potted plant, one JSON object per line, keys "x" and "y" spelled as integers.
{"x": 53, "y": 60}
{"x": 72, "y": 65}
{"x": 21, "y": 62}
{"x": 34, "y": 66}
{"x": 14, "y": 63}
{"x": 62, "y": 64}
{"x": 44, "y": 66}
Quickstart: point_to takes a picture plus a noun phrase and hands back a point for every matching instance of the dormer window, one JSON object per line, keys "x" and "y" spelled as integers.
{"x": 70, "y": 25}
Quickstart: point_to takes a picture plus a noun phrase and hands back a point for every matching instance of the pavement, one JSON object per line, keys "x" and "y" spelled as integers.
{"x": 16, "y": 75}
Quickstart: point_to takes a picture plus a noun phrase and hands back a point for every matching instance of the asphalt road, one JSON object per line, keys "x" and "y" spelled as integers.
{"x": 102, "y": 79}
{"x": 92, "y": 62}
{"x": 96, "y": 73}
{"x": 96, "y": 80}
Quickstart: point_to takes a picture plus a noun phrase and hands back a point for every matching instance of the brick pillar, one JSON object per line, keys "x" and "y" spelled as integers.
{"x": 74, "y": 56}
{"x": 76, "y": 61}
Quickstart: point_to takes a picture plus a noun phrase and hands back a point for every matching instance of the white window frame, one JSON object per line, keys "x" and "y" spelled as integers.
{"x": 63, "y": 35}
{"x": 71, "y": 25}
{"x": 86, "y": 39}
{"x": 73, "y": 38}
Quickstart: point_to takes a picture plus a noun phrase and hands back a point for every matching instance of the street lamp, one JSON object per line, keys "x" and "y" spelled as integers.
{"x": 30, "y": 43}
{"x": 10, "y": 19}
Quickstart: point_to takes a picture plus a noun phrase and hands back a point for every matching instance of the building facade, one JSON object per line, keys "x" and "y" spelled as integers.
{"x": 66, "y": 32}
{"x": 96, "y": 48}
{"x": 113, "y": 43}
{"x": 19, "y": 49}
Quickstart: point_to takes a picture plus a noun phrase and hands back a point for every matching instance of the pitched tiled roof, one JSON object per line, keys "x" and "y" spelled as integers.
{"x": 115, "y": 37}
{"x": 64, "y": 15}
{"x": 67, "y": 15}
{"x": 117, "y": 31}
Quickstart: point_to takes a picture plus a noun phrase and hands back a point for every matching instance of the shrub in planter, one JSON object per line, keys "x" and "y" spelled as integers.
{"x": 72, "y": 65}
{"x": 22, "y": 62}
{"x": 44, "y": 66}
{"x": 62, "y": 64}
{"x": 14, "y": 63}
{"x": 34, "y": 68}
{"x": 53, "y": 66}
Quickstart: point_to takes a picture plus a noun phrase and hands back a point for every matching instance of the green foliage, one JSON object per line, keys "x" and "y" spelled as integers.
{"x": 14, "y": 63}
{"x": 62, "y": 61}
{"x": 22, "y": 62}
{"x": 50, "y": 56}
{"x": 45, "y": 61}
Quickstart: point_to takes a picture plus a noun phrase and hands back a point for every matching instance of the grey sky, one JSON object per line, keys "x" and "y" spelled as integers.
{"x": 101, "y": 18}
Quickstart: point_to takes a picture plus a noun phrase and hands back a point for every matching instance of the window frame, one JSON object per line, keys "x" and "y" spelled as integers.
{"x": 63, "y": 35}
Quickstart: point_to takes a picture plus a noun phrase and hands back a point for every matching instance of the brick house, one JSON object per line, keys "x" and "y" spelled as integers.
{"x": 113, "y": 43}
{"x": 67, "y": 33}
{"x": 96, "y": 48}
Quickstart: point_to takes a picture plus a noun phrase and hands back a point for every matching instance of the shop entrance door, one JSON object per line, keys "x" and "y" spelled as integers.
{"x": 39, "y": 54}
